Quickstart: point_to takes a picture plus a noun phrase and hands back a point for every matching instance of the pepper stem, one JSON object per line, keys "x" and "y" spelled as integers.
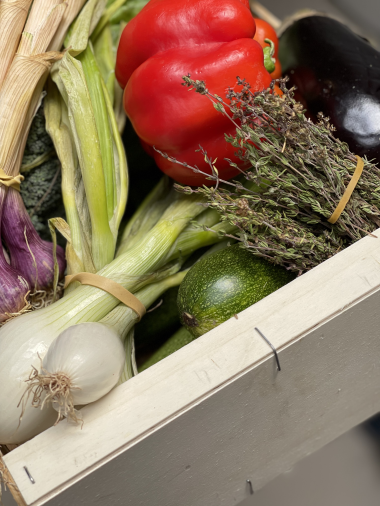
{"x": 269, "y": 60}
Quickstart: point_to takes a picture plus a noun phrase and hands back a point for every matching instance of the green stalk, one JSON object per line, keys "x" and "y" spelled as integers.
{"x": 108, "y": 14}
{"x": 190, "y": 239}
{"x": 123, "y": 318}
{"x": 96, "y": 192}
{"x": 146, "y": 216}
{"x": 78, "y": 35}
{"x": 105, "y": 57}
{"x": 121, "y": 169}
{"x": 94, "y": 83}
{"x": 129, "y": 347}
{"x": 127, "y": 12}
{"x": 85, "y": 133}
{"x": 195, "y": 238}
{"x": 58, "y": 127}
{"x": 118, "y": 104}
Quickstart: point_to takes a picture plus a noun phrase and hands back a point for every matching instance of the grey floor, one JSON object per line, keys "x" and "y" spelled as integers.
{"x": 346, "y": 472}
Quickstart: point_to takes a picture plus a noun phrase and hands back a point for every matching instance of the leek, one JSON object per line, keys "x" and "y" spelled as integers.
{"x": 85, "y": 132}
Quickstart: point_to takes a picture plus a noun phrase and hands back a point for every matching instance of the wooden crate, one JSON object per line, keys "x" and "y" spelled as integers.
{"x": 193, "y": 428}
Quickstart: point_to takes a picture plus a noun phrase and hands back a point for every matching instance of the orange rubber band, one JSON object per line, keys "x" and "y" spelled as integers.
{"x": 347, "y": 194}
{"x": 10, "y": 181}
{"x": 113, "y": 288}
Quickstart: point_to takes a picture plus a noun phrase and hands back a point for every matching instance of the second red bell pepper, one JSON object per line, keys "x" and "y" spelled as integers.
{"x": 265, "y": 31}
{"x": 212, "y": 40}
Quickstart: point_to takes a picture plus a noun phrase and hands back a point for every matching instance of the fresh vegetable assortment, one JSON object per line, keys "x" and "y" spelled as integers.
{"x": 256, "y": 204}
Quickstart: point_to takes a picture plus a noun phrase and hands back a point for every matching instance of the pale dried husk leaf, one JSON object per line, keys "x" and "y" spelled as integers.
{"x": 40, "y": 11}
{"x": 12, "y": 20}
{"x": 22, "y": 87}
{"x": 19, "y": 88}
{"x": 41, "y": 38}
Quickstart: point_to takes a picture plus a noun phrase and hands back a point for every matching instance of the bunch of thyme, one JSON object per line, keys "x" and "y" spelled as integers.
{"x": 295, "y": 174}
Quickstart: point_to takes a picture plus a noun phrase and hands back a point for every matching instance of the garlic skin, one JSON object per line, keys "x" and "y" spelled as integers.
{"x": 30, "y": 256}
{"x": 91, "y": 355}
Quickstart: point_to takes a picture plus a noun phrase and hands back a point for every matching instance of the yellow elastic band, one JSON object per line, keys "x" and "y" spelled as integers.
{"x": 347, "y": 194}
{"x": 126, "y": 297}
{"x": 11, "y": 181}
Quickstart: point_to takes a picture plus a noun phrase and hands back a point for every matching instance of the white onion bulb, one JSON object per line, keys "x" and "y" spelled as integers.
{"x": 81, "y": 365}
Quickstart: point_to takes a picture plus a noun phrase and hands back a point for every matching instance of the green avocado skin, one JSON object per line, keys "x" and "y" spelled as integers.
{"x": 223, "y": 284}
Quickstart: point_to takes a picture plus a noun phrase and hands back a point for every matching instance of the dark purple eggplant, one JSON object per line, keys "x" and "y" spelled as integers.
{"x": 336, "y": 72}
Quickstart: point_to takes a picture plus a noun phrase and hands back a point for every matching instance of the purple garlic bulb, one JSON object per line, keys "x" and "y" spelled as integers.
{"x": 13, "y": 287}
{"x": 30, "y": 255}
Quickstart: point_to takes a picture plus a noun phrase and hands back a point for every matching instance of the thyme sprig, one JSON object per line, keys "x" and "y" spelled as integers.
{"x": 295, "y": 173}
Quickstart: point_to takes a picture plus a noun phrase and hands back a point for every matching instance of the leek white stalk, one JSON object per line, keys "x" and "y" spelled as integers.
{"x": 146, "y": 216}
{"x": 22, "y": 339}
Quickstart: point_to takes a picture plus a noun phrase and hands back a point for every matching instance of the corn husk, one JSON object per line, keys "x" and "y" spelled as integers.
{"x": 22, "y": 87}
{"x": 12, "y": 20}
{"x": 16, "y": 95}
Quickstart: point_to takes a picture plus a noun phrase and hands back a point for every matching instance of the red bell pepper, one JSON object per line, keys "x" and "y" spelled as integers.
{"x": 211, "y": 40}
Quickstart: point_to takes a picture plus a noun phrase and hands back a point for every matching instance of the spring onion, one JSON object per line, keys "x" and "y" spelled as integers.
{"x": 87, "y": 360}
{"x": 81, "y": 365}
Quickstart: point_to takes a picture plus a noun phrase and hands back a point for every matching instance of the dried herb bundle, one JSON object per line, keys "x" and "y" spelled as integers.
{"x": 297, "y": 172}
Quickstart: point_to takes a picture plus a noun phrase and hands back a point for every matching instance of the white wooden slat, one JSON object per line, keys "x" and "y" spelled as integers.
{"x": 218, "y": 404}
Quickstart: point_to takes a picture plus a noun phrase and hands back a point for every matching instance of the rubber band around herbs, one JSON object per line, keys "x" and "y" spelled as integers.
{"x": 347, "y": 194}
{"x": 111, "y": 287}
